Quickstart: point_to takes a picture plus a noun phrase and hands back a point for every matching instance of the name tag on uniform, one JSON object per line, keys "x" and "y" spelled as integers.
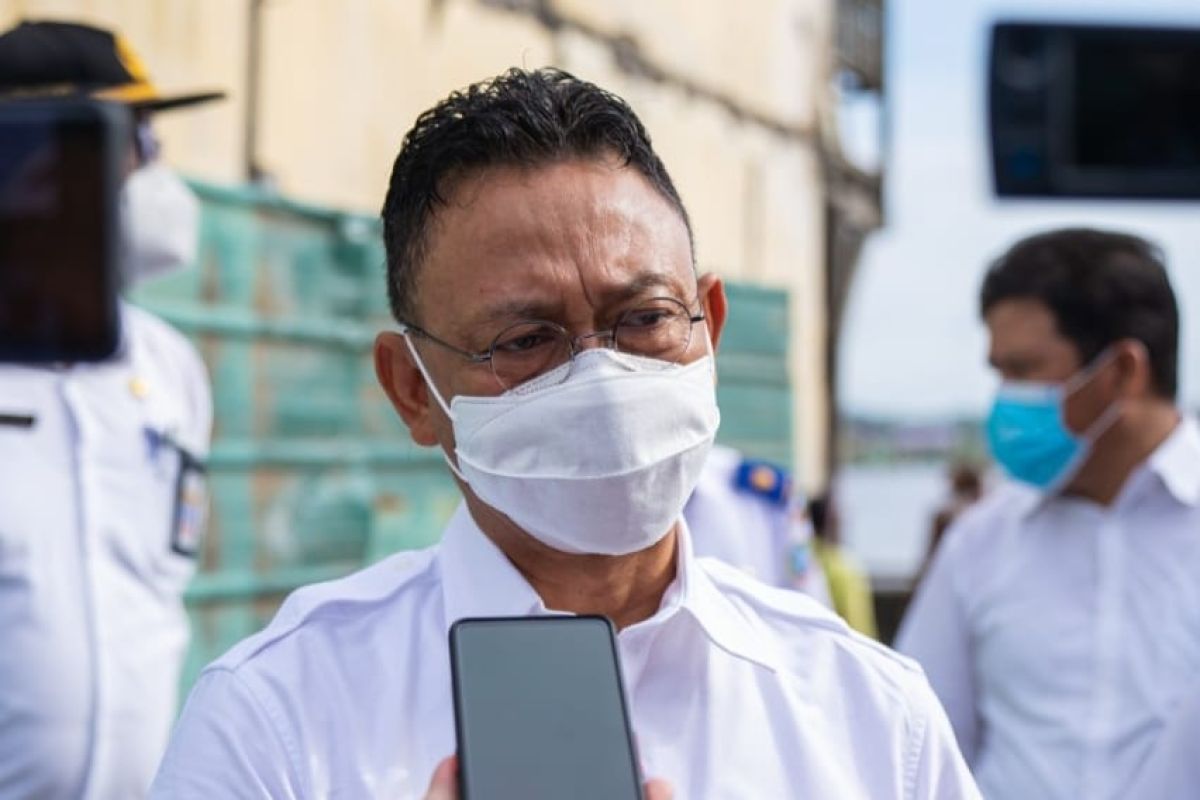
{"x": 189, "y": 510}
{"x": 16, "y": 420}
{"x": 191, "y": 505}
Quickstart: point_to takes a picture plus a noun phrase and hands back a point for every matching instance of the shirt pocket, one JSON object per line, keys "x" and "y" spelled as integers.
{"x": 149, "y": 494}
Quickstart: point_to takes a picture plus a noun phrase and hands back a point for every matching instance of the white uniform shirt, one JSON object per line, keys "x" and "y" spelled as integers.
{"x": 736, "y": 690}
{"x": 1059, "y": 634}
{"x": 768, "y": 539}
{"x": 92, "y": 624}
{"x": 1173, "y": 770}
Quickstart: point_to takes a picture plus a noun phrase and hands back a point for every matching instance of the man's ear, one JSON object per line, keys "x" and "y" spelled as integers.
{"x": 712, "y": 299}
{"x": 404, "y": 385}
{"x": 1135, "y": 377}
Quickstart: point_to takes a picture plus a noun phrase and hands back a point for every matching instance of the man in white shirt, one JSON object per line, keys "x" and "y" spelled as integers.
{"x": 101, "y": 482}
{"x": 556, "y": 344}
{"x": 1060, "y": 620}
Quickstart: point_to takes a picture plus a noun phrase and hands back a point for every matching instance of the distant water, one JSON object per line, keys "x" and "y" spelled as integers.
{"x": 886, "y": 512}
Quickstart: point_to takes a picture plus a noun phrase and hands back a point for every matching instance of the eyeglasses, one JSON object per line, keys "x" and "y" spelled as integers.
{"x": 660, "y": 328}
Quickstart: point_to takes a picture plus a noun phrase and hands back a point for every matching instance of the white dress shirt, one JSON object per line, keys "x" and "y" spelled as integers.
{"x": 1173, "y": 770}
{"x": 92, "y": 623}
{"x": 764, "y": 537}
{"x": 736, "y": 690}
{"x": 1060, "y": 634}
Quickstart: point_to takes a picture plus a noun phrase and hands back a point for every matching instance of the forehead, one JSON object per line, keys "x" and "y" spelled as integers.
{"x": 1019, "y": 320}
{"x": 568, "y": 234}
{"x": 1025, "y": 328}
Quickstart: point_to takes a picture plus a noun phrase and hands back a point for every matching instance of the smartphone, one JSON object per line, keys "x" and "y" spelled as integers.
{"x": 540, "y": 710}
{"x": 61, "y": 168}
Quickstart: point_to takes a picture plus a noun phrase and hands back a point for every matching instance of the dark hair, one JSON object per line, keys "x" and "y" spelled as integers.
{"x": 966, "y": 479}
{"x": 1101, "y": 287}
{"x": 520, "y": 118}
{"x": 818, "y": 508}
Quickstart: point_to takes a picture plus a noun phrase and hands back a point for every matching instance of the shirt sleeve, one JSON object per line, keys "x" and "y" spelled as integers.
{"x": 938, "y": 771}
{"x": 226, "y": 745}
{"x": 935, "y": 633}
{"x": 192, "y": 375}
{"x": 201, "y": 405}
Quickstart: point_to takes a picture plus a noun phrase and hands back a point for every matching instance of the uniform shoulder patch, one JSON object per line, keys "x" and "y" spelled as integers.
{"x": 765, "y": 480}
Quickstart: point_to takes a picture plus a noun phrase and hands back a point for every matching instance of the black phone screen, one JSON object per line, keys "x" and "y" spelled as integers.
{"x": 540, "y": 710}
{"x": 59, "y": 229}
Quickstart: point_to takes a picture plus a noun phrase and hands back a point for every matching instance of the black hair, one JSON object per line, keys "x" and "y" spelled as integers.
{"x": 521, "y": 118}
{"x": 1101, "y": 286}
{"x": 818, "y": 508}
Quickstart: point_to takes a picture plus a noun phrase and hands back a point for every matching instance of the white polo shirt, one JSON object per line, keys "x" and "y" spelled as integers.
{"x": 1060, "y": 635}
{"x": 736, "y": 690}
{"x": 92, "y": 625}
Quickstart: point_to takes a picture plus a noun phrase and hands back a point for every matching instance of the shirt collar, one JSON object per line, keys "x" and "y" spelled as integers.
{"x": 478, "y": 580}
{"x": 1177, "y": 462}
{"x": 724, "y": 625}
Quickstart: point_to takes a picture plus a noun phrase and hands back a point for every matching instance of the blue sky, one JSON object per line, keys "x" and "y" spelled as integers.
{"x": 913, "y": 346}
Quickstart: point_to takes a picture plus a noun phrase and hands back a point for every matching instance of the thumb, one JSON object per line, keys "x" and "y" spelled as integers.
{"x": 444, "y": 783}
{"x": 658, "y": 789}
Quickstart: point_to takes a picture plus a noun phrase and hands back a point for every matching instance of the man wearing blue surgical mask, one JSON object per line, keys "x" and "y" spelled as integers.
{"x": 1060, "y": 620}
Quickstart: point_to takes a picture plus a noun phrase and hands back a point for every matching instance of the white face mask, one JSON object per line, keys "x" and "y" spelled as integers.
{"x": 601, "y": 462}
{"x": 160, "y": 221}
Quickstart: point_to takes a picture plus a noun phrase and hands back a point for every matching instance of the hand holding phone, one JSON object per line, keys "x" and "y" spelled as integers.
{"x": 540, "y": 710}
{"x": 444, "y": 784}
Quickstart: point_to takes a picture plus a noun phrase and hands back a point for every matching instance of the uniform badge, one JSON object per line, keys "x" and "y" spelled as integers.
{"x": 191, "y": 505}
{"x": 139, "y": 388}
{"x": 765, "y": 480}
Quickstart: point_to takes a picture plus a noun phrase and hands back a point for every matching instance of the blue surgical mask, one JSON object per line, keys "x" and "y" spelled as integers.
{"x": 1027, "y": 433}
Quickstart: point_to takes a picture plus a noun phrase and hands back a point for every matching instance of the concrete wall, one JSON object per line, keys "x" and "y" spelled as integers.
{"x": 732, "y": 94}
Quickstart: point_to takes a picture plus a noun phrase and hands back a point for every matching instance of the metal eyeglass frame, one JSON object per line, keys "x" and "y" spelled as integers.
{"x": 485, "y": 356}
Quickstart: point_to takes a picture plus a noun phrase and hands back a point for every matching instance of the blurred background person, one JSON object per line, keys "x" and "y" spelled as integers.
{"x": 849, "y": 587}
{"x": 101, "y": 480}
{"x": 748, "y": 513}
{"x": 1058, "y": 622}
{"x": 912, "y": 391}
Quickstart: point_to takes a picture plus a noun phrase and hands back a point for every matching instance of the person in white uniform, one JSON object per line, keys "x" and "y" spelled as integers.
{"x": 747, "y": 513}
{"x": 1060, "y": 620}
{"x": 101, "y": 487}
{"x": 556, "y": 345}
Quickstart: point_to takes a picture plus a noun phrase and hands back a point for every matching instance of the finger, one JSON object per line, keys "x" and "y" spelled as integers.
{"x": 444, "y": 783}
{"x": 658, "y": 789}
